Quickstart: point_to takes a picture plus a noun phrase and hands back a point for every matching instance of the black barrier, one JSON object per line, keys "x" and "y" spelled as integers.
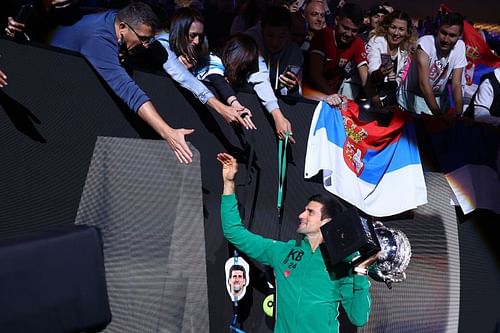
{"x": 55, "y": 107}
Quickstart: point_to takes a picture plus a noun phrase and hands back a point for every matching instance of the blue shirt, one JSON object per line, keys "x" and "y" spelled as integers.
{"x": 180, "y": 74}
{"x": 94, "y": 37}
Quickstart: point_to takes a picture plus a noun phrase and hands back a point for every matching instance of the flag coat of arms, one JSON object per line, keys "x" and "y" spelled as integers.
{"x": 375, "y": 168}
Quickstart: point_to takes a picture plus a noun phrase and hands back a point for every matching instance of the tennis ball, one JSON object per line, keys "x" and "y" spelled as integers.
{"x": 268, "y": 305}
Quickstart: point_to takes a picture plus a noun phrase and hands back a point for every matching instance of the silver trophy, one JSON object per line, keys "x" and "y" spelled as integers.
{"x": 393, "y": 258}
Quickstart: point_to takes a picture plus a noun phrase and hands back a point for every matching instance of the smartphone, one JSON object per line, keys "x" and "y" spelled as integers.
{"x": 386, "y": 59}
{"x": 291, "y": 68}
{"x": 24, "y": 13}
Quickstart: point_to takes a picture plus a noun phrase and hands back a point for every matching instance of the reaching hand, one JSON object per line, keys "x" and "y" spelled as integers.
{"x": 245, "y": 115}
{"x": 229, "y": 166}
{"x": 178, "y": 144}
{"x": 240, "y": 115}
{"x": 336, "y": 100}
{"x": 282, "y": 125}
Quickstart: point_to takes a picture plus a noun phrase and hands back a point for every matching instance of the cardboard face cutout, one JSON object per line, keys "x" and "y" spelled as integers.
{"x": 237, "y": 277}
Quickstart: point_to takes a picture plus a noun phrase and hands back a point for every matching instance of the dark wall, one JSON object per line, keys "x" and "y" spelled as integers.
{"x": 54, "y": 108}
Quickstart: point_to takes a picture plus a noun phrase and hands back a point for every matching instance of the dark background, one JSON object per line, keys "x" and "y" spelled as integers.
{"x": 55, "y": 107}
{"x": 477, "y": 11}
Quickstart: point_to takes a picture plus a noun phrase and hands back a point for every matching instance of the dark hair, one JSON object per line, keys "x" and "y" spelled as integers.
{"x": 330, "y": 205}
{"x": 240, "y": 56}
{"x": 277, "y": 17}
{"x": 387, "y": 21}
{"x": 238, "y": 268}
{"x": 179, "y": 33}
{"x": 452, "y": 19}
{"x": 352, "y": 11}
{"x": 138, "y": 13}
{"x": 160, "y": 11}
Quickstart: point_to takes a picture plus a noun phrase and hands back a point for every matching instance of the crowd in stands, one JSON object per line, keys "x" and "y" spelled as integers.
{"x": 318, "y": 49}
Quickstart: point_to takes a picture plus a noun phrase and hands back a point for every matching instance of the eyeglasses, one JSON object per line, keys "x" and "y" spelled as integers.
{"x": 143, "y": 39}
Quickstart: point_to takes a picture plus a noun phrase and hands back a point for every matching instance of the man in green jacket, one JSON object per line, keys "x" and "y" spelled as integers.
{"x": 309, "y": 291}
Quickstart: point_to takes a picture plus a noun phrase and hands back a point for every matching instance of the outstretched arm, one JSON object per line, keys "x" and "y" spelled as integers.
{"x": 174, "y": 137}
{"x": 255, "y": 246}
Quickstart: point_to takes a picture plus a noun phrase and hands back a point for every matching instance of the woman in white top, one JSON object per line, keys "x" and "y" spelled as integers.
{"x": 388, "y": 54}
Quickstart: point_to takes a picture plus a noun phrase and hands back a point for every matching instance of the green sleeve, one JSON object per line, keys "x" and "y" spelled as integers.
{"x": 255, "y": 246}
{"x": 356, "y": 300}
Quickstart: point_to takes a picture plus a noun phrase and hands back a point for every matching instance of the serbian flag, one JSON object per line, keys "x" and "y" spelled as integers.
{"x": 480, "y": 59}
{"x": 375, "y": 168}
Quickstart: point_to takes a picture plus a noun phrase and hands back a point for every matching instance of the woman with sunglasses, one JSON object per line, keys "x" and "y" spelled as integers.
{"x": 388, "y": 56}
{"x": 183, "y": 43}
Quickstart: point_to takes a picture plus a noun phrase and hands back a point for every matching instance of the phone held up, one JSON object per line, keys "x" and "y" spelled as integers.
{"x": 24, "y": 13}
{"x": 386, "y": 60}
{"x": 23, "y": 16}
{"x": 291, "y": 68}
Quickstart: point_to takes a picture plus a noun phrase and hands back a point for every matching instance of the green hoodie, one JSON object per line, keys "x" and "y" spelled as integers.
{"x": 308, "y": 295}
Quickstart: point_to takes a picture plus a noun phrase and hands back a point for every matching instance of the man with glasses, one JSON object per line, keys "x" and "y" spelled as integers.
{"x": 106, "y": 39}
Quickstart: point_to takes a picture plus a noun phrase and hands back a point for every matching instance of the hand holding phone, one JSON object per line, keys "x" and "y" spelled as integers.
{"x": 16, "y": 26}
{"x": 288, "y": 78}
{"x": 24, "y": 13}
{"x": 386, "y": 60}
{"x": 292, "y": 69}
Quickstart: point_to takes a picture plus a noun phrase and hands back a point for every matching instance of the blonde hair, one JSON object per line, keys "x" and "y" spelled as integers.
{"x": 386, "y": 23}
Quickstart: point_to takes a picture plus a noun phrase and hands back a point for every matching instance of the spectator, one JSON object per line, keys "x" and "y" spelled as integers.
{"x": 239, "y": 63}
{"x": 338, "y": 54}
{"x": 273, "y": 37}
{"x": 106, "y": 39}
{"x": 375, "y": 16}
{"x": 485, "y": 103}
{"x": 185, "y": 44}
{"x": 3, "y": 79}
{"x": 314, "y": 14}
{"x": 309, "y": 291}
{"x": 388, "y": 56}
{"x": 438, "y": 59}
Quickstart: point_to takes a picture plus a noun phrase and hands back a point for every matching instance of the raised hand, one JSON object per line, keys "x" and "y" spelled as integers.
{"x": 229, "y": 166}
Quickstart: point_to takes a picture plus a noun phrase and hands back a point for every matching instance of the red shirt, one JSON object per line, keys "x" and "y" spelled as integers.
{"x": 337, "y": 62}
